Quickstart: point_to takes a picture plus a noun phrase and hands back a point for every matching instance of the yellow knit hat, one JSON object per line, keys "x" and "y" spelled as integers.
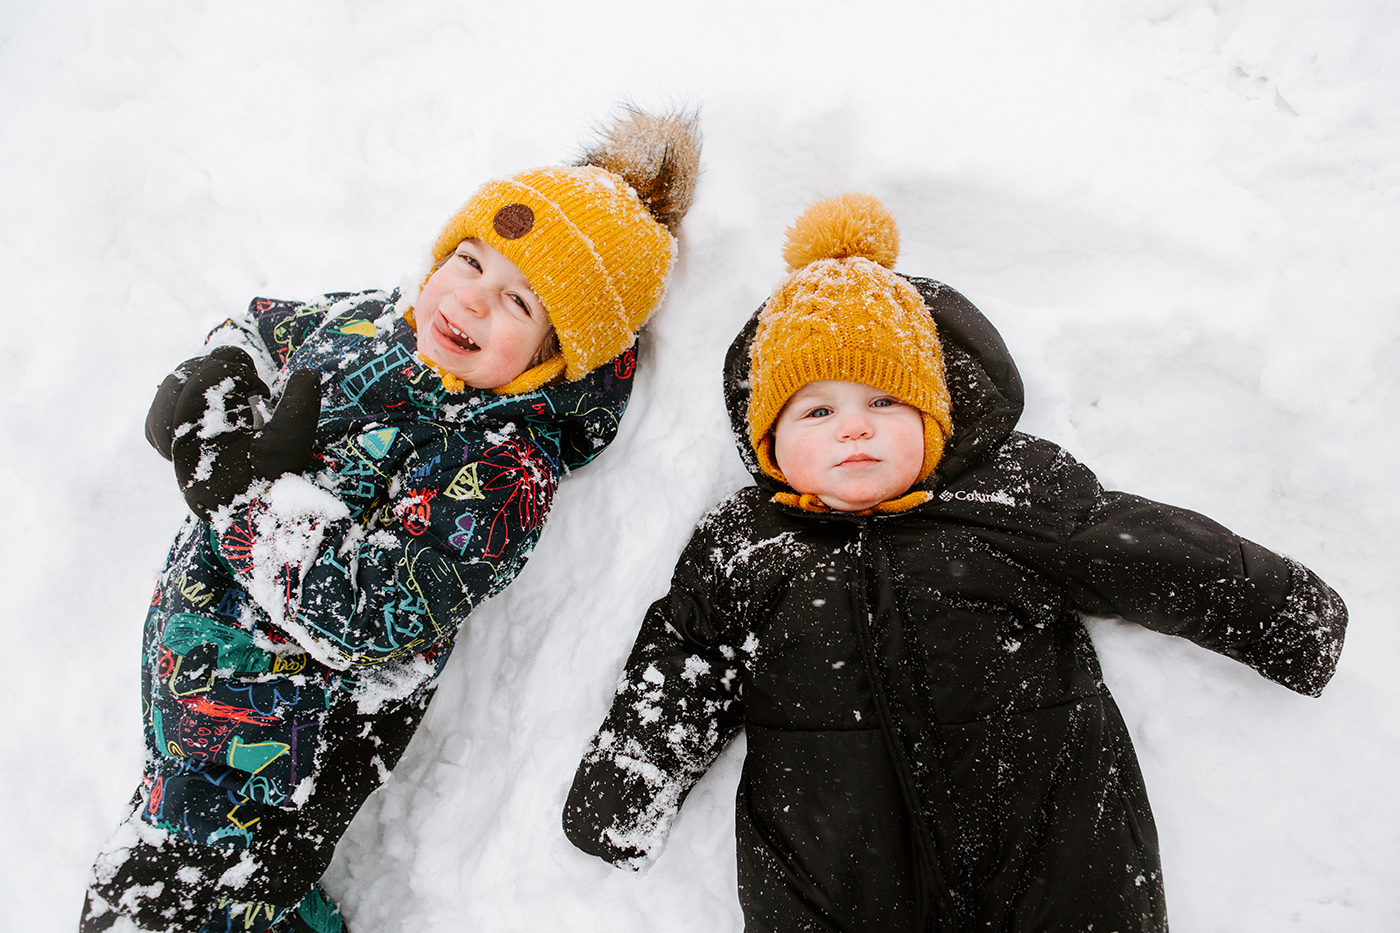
{"x": 595, "y": 253}
{"x": 842, "y": 314}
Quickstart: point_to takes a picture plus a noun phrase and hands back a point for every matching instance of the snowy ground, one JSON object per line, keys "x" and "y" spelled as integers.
{"x": 1181, "y": 213}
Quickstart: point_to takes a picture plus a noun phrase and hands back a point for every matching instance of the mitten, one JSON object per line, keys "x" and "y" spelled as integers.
{"x": 611, "y": 812}
{"x": 216, "y": 437}
{"x": 160, "y": 420}
{"x": 1302, "y": 647}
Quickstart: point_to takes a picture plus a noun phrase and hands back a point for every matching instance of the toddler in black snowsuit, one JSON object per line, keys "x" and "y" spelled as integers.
{"x": 299, "y": 626}
{"x": 893, "y": 615}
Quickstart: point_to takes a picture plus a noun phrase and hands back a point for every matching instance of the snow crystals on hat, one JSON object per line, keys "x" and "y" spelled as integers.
{"x": 843, "y": 314}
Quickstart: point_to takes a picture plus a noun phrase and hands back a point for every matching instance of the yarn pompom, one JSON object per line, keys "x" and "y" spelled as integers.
{"x": 658, "y": 155}
{"x": 852, "y": 224}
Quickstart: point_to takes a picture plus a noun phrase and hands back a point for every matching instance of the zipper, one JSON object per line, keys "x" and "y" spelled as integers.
{"x": 933, "y": 878}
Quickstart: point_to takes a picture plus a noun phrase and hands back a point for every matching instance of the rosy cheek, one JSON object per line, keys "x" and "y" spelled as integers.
{"x": 794, "y": 457}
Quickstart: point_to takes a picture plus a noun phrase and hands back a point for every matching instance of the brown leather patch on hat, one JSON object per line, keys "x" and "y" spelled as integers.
{"x": 513, "y": 221}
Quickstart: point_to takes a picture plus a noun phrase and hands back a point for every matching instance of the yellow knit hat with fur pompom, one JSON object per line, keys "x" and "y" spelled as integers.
{"x": 594, "y": 240}
{"x": 842, "y": 314}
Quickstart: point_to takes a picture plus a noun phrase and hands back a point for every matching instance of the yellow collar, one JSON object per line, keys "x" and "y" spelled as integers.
{"x": 810, "y": 503}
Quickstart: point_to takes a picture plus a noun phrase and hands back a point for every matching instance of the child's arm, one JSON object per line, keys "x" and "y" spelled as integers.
{"x": 356, "y": 594}
{"x": 1178, "y": 572}
{"x": 269, "y": 332}
{"x": 272, "y": 329}
{"x": 678, "y": 704}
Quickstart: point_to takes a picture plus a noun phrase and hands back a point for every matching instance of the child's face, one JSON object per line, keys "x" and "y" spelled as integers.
{"x": 849, "y": 444}
{"x": 478, "y": 318}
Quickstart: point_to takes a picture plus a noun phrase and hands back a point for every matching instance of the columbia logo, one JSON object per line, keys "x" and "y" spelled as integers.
{"x": 969, "y": 495}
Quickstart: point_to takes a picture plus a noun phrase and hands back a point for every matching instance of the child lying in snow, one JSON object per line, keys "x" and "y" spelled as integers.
{"x": 297, "y": 631}
{"x": 892, "y": 614}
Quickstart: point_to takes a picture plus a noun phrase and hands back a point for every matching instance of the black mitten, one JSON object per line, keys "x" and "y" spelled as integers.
{"x": 160, "y": 420}
{"x": 1301, "y": 650}
{"x": 217, "y": 441}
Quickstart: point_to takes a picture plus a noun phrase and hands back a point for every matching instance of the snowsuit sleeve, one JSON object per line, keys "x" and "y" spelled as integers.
{"x": 1175, "y": 571}
{"x": 458, "y": 524}
{"x": 678, "y": 703}
{"x": 272, "y": 329}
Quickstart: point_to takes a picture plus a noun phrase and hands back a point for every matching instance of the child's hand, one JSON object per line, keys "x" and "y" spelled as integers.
{"x": 160, "y": 420}
{"x": 204, "y": 419}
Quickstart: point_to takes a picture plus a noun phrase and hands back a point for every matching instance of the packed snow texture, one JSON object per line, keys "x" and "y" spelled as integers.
{"x": 1181, "y": 214}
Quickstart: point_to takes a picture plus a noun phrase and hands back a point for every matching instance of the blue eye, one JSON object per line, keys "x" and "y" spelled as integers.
{"x": 471, "y": 260}
{"x": 520, "y": 301}
{"x": 821, "y": 411}
{"x": 883, "y": 403}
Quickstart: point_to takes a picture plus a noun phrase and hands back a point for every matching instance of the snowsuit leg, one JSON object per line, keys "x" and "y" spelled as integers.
{"x": 166, "y": 883}
{"x": 825, "y": 846}
{"x": 1056, "y": 833}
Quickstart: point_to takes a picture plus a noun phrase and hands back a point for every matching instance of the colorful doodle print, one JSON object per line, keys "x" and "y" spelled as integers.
{"x": 522, "y": 473}
{"x": 232, "y": 726}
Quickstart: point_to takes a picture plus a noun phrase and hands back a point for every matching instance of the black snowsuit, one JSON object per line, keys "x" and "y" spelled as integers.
{"x": 931, "y": 745}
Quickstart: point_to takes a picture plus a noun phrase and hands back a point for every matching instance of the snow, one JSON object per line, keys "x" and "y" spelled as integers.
{"x": 1182, "y": 215}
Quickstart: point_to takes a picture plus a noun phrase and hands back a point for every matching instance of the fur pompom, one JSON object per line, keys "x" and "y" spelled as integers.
{"x": 851, "y": 224}
{"x": 659, "y": 156}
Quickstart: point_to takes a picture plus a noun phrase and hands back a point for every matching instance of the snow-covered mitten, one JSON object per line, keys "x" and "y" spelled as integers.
{"x": 160, "y": 420}
{"x": 1301, "y": 648}
{"x": 218, "y": 440}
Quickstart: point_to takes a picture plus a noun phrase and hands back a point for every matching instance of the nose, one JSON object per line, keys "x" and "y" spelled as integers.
{"x": 855, "y": 426}
{"x": 471, "y": 299}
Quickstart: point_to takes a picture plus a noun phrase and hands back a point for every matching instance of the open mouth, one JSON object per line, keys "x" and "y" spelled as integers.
{"x": 461, "y": 340}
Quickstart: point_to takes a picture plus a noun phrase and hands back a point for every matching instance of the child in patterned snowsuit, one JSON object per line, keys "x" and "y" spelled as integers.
{"x": 893, "y": 615}
{"x": 307, "y": 608}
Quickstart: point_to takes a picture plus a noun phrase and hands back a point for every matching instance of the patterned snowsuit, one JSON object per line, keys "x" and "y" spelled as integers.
{"x": 289, "y": 654}
{"x": 930, "y": 744}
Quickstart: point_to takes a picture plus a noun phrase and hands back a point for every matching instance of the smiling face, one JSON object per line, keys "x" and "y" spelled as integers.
{"x": 478, "y": 318}
{"x": 850, "y": 445}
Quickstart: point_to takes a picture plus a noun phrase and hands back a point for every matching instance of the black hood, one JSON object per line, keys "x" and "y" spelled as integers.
{"x": 982, "y": 379}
